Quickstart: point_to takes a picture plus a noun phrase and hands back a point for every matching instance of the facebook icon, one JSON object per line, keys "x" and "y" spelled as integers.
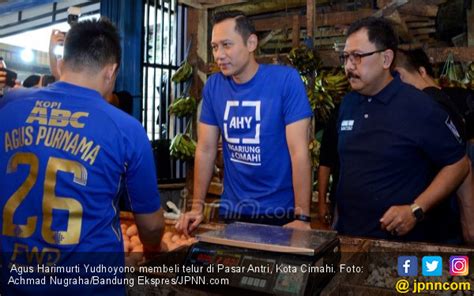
{"x": 407, "y": 266}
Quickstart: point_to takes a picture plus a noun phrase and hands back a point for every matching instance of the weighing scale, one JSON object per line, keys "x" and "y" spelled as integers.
{"x": 261, "y": 259}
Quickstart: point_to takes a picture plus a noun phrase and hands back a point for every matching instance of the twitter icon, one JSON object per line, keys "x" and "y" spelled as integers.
{"x": 432, "y": 266}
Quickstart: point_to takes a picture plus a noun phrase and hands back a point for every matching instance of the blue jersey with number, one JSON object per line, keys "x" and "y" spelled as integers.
{"x": 65, "y": 154}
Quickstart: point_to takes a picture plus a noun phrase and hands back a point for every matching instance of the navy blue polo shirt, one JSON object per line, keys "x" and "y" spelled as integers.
{"x": 390, "y": 145}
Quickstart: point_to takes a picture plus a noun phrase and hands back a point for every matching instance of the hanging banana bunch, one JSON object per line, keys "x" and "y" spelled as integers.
{"x": 183, "y": 73}
{"x": 183, "y": 147}
{"x": 183, "y": 106}
{"x": 469, "y": 79}
{"x": 335, "y": 83}
{"x": 314, "y": 149}
{"x": 304, "y": 59}
{"x": 451, "y": 75}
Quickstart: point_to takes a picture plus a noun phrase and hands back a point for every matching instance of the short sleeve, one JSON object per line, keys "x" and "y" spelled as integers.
{"x": 439, "y": 139}
{"x": 207, "y": 112}
{"x": 296, "y": 104}
{"x": 140, "y": 175}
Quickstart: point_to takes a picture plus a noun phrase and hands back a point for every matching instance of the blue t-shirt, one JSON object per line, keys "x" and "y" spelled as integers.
{"x": 65, "y": 154}
{"x": 252, "y": 117}
{"x": 390, "y": 145}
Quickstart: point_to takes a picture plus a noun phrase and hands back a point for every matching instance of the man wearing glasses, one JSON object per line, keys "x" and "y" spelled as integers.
{"x": 393, "y": 139}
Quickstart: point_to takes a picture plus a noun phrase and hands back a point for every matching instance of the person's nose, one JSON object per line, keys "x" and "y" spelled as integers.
{"x": 219, "y": 53}
{"x": 349, "y": 65}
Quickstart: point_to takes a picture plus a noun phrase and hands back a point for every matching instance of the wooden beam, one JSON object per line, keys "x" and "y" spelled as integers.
{"x": 470, "y": 25}
{"x": 400, "y": 26}
{"x": 419, "y": 9}
{"x": 310, "y": 15}
{"x": 295, "y": 31}
{"x": 198, "y": 52}
{"x": 415, "y": 18}
{"x": 213, "y": 4}
{"x": 322, "y": 20}
{"x": 421, "y": 31}
{"x": 258, "y": 7}
{"x": 461, "y": 54}
{"x": 389, "y": 8}
{"x": 414, "y": 25}
{"x": 191, "y": 3}
{"x": 207, "y": 4}
{"x": 342, "y": 18}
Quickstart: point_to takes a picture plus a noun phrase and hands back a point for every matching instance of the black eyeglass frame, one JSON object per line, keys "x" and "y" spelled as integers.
{"x": 357, "y": 57}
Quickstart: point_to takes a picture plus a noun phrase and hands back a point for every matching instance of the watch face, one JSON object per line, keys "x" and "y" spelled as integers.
{"x": 418, "y": 214}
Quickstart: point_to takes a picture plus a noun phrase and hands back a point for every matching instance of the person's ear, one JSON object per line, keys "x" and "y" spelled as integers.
{"x": 388, "y": 57}
{"x": 252, "y": 42}
{"x": 110, "y": 71}
{"x": 59, "y": 66}
{"x": 422, "y": 72}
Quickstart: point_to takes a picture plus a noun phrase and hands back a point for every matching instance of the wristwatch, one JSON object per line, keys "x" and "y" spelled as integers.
{"x": 417, "y": 212}
{"x": 303, "y": 218}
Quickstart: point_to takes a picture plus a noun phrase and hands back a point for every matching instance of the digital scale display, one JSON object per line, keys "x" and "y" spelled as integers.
{"x": 227, "y": 260}
{"x": 202, "y": 256}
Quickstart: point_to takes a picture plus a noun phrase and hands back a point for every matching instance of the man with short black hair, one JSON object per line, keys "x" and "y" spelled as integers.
{"x": 65, "y": 155}
{"x": 263, "y": 114}
{"x": 415, "y": 68}
{"x": 391, "y": 136}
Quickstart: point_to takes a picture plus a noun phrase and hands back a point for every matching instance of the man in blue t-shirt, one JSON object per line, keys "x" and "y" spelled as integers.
{"x": 399, "y": 155}
{"x": 65, "y": 155}
{"x": 263, "y": 114}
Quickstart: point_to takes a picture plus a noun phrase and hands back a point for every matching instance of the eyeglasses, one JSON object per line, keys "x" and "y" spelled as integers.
{"x": 356, "y": 58}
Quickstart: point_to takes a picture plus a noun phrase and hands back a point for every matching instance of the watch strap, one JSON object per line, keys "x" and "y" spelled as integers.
{"x": 303, "y": 218}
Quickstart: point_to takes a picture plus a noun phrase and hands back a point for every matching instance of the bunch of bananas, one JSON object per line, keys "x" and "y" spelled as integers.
{"x": 304, "y": 59}
{"x": 314, "y": 149}
{"x": 183, "y": 73}
{"x": 335, "y": 82}
{"x": 183, "y": 147}
{"x": 319, "y": 98}
{"x": 469, "y": 80}
{"x": 183, "y": 106}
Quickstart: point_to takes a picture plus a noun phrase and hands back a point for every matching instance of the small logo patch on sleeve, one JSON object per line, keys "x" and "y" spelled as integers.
{"x": 449, "y": 123}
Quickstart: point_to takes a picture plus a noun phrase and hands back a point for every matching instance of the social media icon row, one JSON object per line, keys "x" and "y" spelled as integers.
{"x": 432, "y": 266}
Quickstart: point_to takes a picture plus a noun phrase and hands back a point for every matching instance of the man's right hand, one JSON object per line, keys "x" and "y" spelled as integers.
{"x": 189, "y": 221}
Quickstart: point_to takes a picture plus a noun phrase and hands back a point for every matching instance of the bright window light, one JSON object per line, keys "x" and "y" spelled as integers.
{"x": 27, "y": 55}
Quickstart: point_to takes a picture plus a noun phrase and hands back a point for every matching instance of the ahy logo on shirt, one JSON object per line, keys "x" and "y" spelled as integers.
{"x": 241, "y": 130}
{"x": 347, "y": 125}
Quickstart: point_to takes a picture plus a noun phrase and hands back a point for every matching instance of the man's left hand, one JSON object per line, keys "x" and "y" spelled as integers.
{"x": 297, "y": 224}
{"x": 398, "y": 220}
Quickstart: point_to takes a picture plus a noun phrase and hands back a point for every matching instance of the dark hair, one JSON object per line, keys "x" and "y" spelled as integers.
{"x": 243, "y": 25}
{"x": 92, "y": 44}
{"x": 413, "y": 59}
{"x": 47, "y": 80}
{"x": 379, "y": 30}
{"x": 125, "y": 101}
{"x": 31, "y": 80}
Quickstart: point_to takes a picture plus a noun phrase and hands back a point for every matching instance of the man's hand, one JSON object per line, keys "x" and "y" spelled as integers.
{"x": 398, "y": 220}
{"x": 57, "y": 38}
{"x": 189, "y": 221}
{"x": 297, "y": 224}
